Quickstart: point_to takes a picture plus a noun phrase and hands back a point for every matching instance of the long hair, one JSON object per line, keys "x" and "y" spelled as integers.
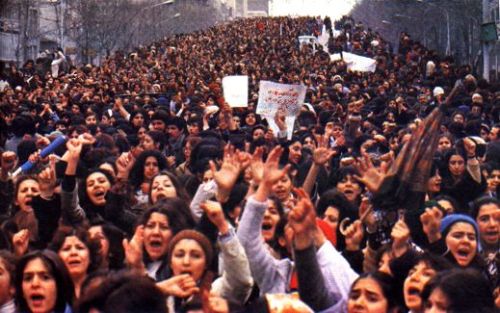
{"x": 55, "y": 266}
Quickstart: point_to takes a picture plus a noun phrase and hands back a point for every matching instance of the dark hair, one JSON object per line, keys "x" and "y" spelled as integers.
{"x": 114, "y": 236}
{"x": 158, "y": 138}
{"x": 19, "y": 181}
{"x": 124, "y": 292}
{"x": 466, "y": 291}
{"x": 9, "y": 262}
{"x": 176, "y": 220}
{"x": 179, "y": 188}
{"x": 386, "y": 283}
{"x": 137, "y": 171}
{"x": 55, "y": 266}
{"x": 478, "y": 203}
{"x": 84, "y": 198}
{"x": 82, "y": 234}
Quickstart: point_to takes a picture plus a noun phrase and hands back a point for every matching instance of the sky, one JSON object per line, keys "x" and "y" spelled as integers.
{"x": 333, "y": 8}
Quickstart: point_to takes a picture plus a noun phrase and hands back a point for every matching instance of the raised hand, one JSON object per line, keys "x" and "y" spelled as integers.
{"x": 181, "y": 286}
{"x": 470, "y": 147}
{"x": 74, "y": 147}
{"x": 86, "y": 139}
{"x": 9, "y": 162}
{"x": 322, "y": 154}
{"x": 354, "y": 235}
{"x": 257, "y": 165}
{"x": 229, "y": 171}
{"x": 272, "y": 173}
{"x": 217, "y": 304}
{"x": 431, "y": 221}
{"x": 370, "y": 176}
{"x": 124, "y": 164}
{"x": 302, "y": 220}
{"x": 47, "y": 179}
{"x": 20, "y": 242}
{"x": 133, "y": 249}
{"x": 400, "y": 237}
{"x": 215, "y": 214}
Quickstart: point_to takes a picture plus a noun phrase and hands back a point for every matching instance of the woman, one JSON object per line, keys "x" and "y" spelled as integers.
{"x": 462, "y": 178}
{"x": 191, "y": 253}
{"x": 458, "y": 241}
{"x": 373, "y": 293}
{"x": 25, "y": 190}
{"x": 148, "y": 164}
{"x": 78, "y": 252}
{"x": 160, "y": 223}
{"x": 346, "y": 183}
{"x": 458, "y": 291}
{"x": 166, "y": 185}
{"x": 425, "y": 267}
{"x": 43, "y": 284}
{"x": 7, "y": 287}
{"x": 111, "y": 250}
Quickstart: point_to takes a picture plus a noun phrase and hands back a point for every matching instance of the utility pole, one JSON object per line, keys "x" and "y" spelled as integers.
{"x": 486, "y": 45}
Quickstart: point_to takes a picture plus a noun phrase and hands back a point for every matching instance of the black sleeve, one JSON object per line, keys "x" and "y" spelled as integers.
{"x": 312, "y": 289}
{"x": 355, "y": 259}
{"x": 47, "y": 213}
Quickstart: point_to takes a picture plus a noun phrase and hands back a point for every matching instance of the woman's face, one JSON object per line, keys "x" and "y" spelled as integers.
{"x": 188, "y": 257}
{"x": 434, "y": 183}
{"x": 295, "y": 152}
{"x": 349, "y": 187}
{"x": 456, "y": 165}
{"x": 162, "y": 187}
{"x": 488, "y": 221}
{"x": 437, "y": 302}
{"x": 444, "y": 143}
{"x": 75, "y": 255}
{"x": 250, "y": 119}
{"x": 462, "y": 243}
{"x": 141, "y": 133}
{"x": 283, "y": 188}
{"x": 366, "y": 296}
{"x": 207, "y": 176}
{"x": 414, "y": 284}
{"x": 138, "y": 120}
{"x": 97, "y": 233}
{"x": 147, "y": 143}
{"x": 271, "y": 219}
{"x": 39, "y": 287}
{"x": 309, "y": 144}
{"x": 6, "y": 284}
{"x": 28, "y": 189}
{"x": 97, "y": 187}
{"x": 151, "y": 168}
{"x": 157, "y": 235}
{"x": 332, "y": 217}
{"x": 447, "y": 206}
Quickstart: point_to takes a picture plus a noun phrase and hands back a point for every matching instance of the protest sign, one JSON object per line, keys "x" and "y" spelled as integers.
{"x": 274, "y": 96}
{"x": 356, "y": 63}
{"x": 236, "y": 91}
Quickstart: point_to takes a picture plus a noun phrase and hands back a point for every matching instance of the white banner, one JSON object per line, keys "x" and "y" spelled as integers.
{"x": 274, "y": 96}
{"x": 236, "y": 91}
{"x": 355, "y": 62}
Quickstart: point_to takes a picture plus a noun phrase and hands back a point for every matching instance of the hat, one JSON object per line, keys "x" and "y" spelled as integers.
{"x": 162, "y": 101}
{"x": 201, "y": 239}
{"x": 452, "y": 219}
{"x": 438, "y": 91}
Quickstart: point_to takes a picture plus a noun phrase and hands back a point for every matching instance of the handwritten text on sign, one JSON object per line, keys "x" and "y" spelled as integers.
{"x": 274, "y": 96}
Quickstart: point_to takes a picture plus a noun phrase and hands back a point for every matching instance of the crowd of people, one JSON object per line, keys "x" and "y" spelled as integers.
{"x": 165, "y": 199}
